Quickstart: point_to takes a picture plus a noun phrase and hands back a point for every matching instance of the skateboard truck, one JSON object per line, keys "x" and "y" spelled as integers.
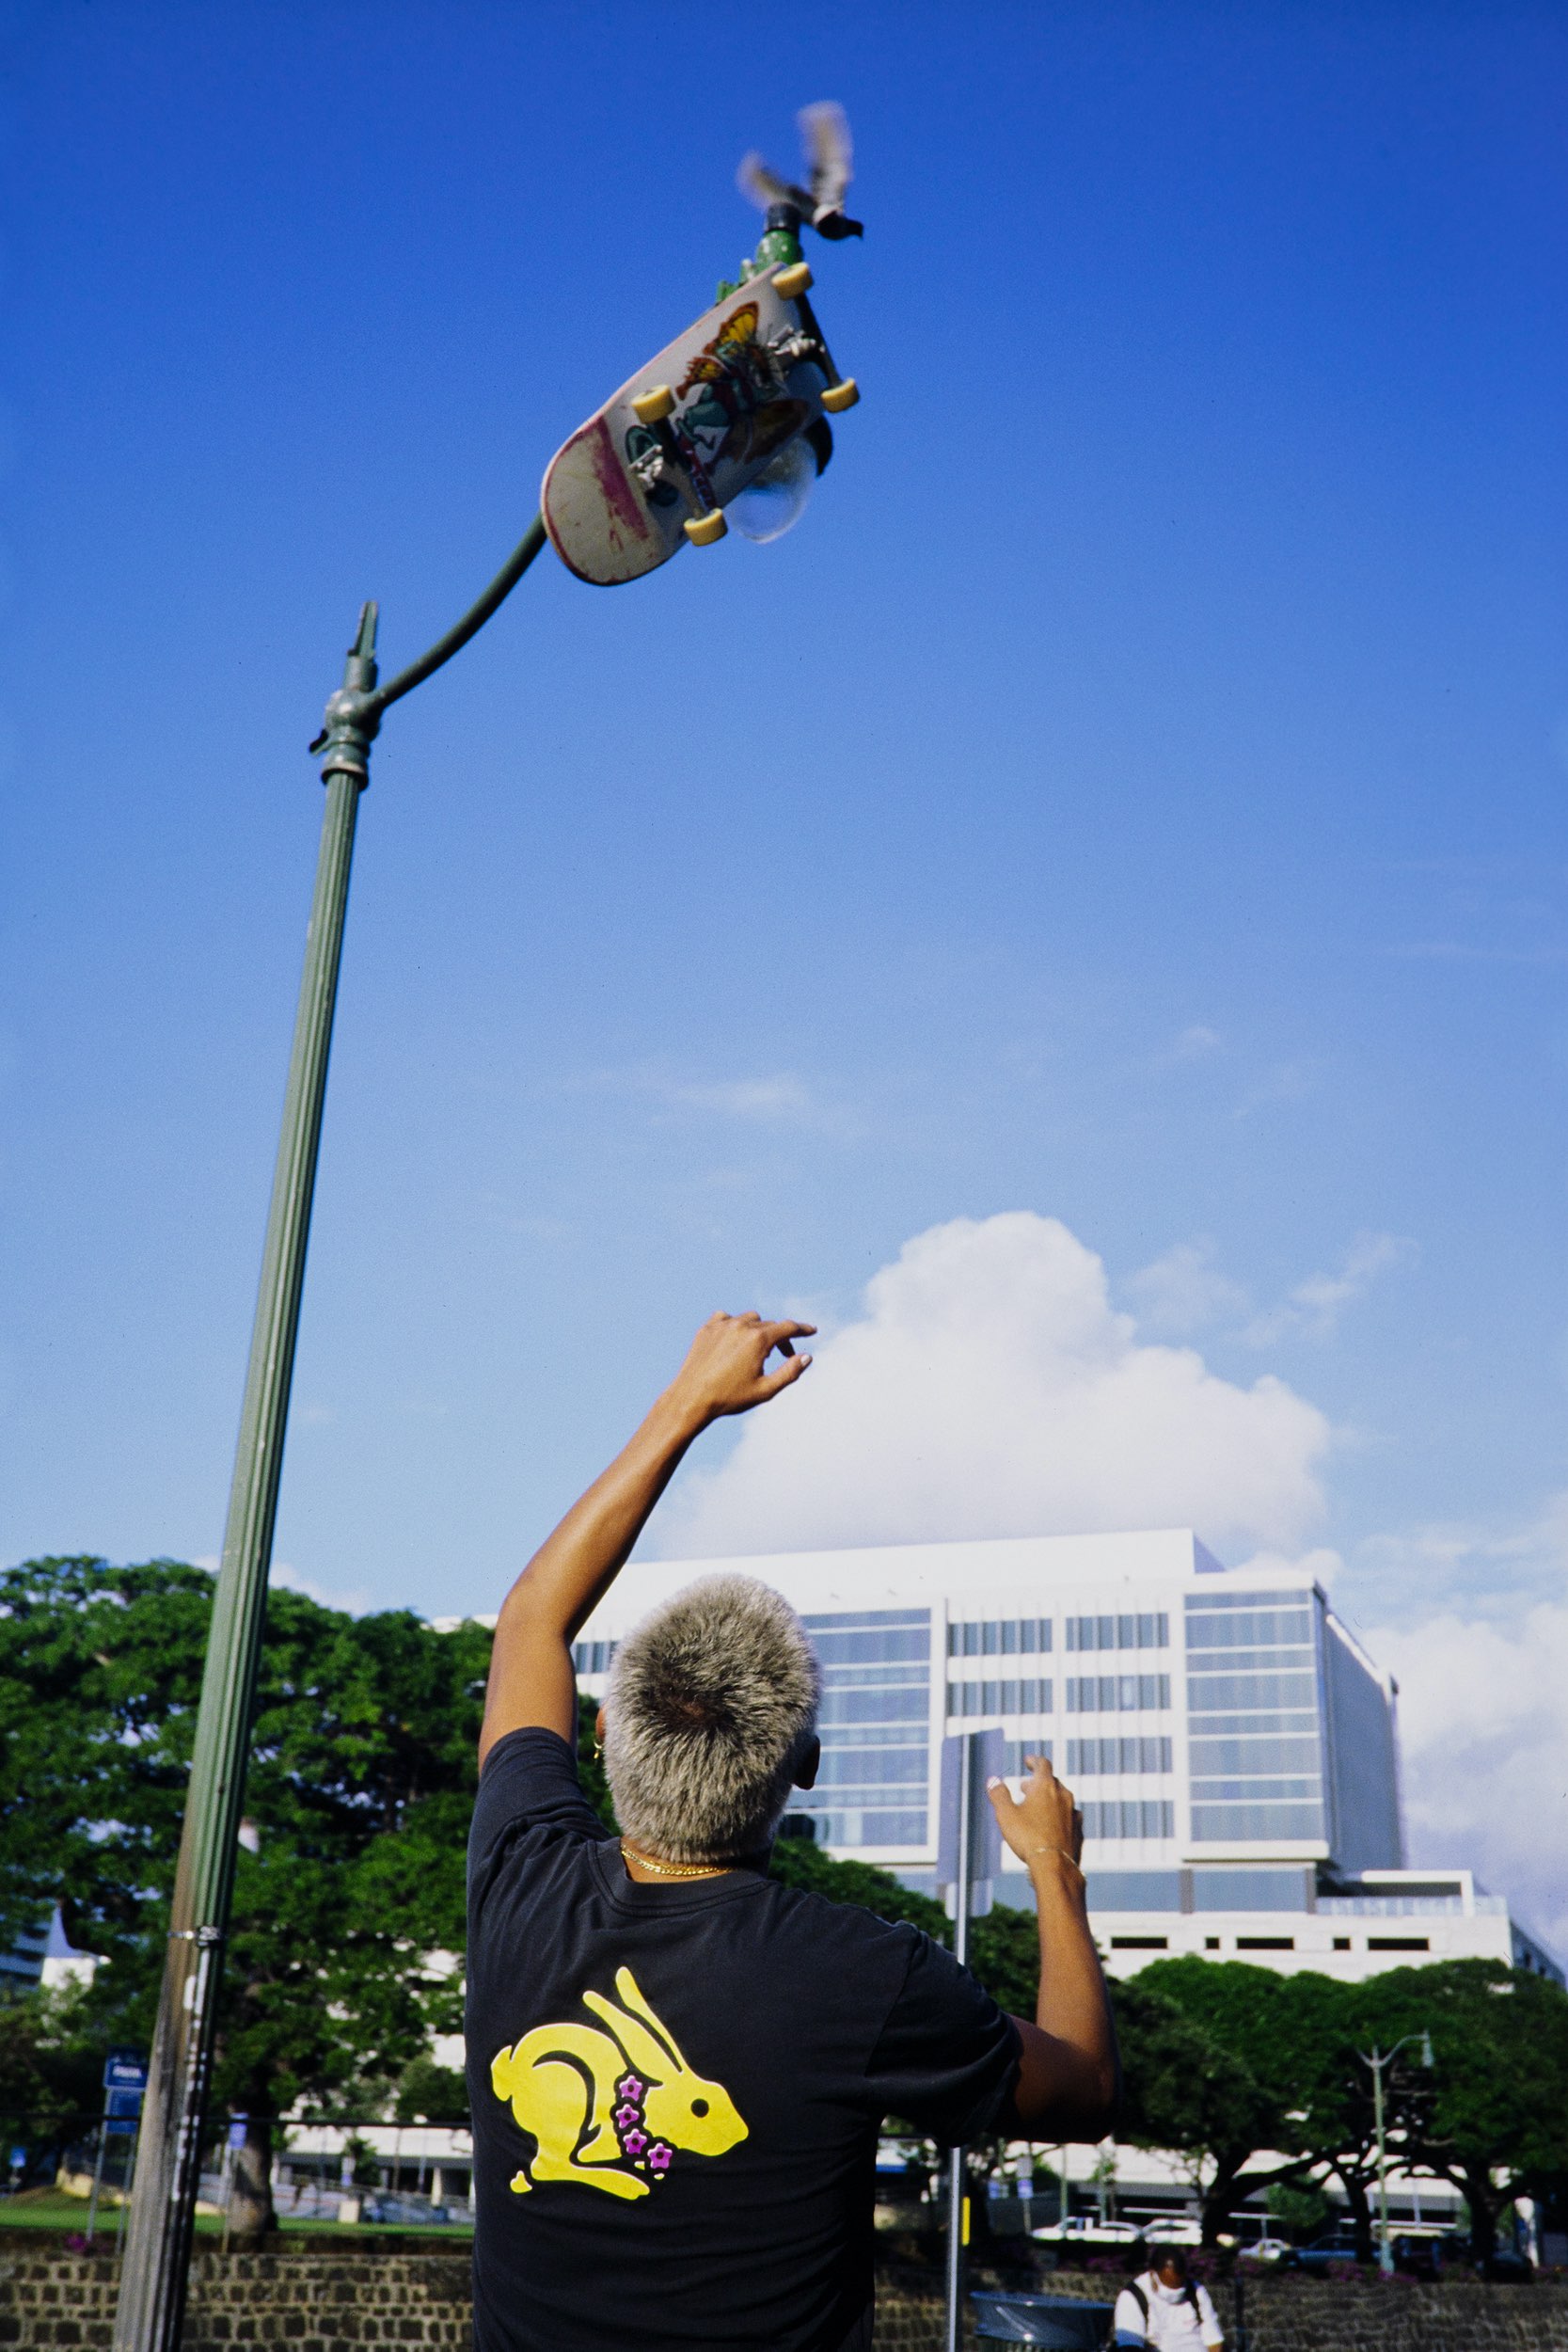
{"x": 795, "y": 282}
{"x": 667, "y": 461}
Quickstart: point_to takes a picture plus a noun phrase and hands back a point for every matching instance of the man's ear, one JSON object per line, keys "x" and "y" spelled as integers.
{"x": 598, "y": 1727}
{"x": 805, "y": 1772}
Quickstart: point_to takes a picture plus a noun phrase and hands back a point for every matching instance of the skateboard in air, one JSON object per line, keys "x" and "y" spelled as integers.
{"x": 743, "y": 397}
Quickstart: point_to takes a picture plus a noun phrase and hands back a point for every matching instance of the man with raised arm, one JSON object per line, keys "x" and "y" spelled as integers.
{"x": 677, "y": 2066}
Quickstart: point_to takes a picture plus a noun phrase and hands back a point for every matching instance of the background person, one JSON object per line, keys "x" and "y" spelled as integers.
{"x": 1166, "y": 2309}
{"x": 677, "y": 2066}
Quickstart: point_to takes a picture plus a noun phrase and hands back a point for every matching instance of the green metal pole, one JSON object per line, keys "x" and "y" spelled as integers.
{"x": 1385, "y": 2261}
{"x": 157, "y": 2254}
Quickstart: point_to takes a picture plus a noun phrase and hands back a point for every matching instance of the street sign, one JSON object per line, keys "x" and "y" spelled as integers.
{"x": 125, "y": 2070}
{"x": 986, "y": 1755}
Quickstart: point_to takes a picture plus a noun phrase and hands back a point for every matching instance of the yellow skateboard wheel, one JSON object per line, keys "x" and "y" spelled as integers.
{"x": 796, "y": 280}
{"x": 653, "y": 406}
{"x": 703, "y": 529}
{"x": 841, "y": 396}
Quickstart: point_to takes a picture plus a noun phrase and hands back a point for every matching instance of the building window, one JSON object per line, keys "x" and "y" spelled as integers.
{"x": 1341, "y": 1943}
{"x": 1140, "y": 1943}
{"x": 1265, "y": 1943}
{"x": 1101, "y": 1694}
{"x": 1256, "y": 1753}
{"x": 1028, "y": 1696}
{"x": 873, "y": 1781}
{"x": 1000, "y": 1637}
{"x": 1399, "y": 1944}
{"x": 1130, "y": 1817}
{"x": 1015, "y": 1752}
{"x": 1149, "y": 1629}
{"x": 593, "y": 1658}
{"x": 1144, "y": 1754}
{"x": 1210, "y": 1943}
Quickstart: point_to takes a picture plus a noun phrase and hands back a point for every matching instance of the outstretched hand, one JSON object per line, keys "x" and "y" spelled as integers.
{"x": 1044, "y": 1819}
{"x": 726, "y": 1369}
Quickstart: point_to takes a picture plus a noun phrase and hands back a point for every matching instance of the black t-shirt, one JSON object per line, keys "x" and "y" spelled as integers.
{"x": 677, "y": 2090}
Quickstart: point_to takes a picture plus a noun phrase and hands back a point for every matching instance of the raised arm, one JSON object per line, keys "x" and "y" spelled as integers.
{"x": 531, "y": 1679}
{"x": 1069, "y": 2081}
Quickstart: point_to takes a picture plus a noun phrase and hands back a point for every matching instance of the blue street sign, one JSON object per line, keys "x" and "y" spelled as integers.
{"x": 125, "y": 2070}
{"x": 237, "y": 2132}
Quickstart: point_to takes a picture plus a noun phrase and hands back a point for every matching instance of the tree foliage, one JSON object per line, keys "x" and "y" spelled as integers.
{"x": 348, "y": 1884}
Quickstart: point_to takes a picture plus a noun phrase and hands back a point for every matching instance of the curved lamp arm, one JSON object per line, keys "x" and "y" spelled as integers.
{"x": 472, "y": 622}
{"x": 353, "y": 718}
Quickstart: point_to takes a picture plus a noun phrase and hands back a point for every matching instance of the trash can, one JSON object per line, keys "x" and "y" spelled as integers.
{"x": 1060, "y": 2321}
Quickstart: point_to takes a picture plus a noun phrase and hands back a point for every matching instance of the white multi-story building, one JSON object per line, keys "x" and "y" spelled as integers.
{"x": 1233, "y": 1747}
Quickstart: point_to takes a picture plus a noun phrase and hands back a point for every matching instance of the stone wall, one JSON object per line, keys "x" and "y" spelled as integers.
{"x": 324, "y": 2299}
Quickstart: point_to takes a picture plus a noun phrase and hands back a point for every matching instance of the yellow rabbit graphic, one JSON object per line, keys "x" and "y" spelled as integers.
{"x": 611, "y": 2113}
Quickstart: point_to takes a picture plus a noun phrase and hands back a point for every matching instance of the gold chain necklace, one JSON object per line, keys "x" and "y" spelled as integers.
{"x": 673, "y": 1869}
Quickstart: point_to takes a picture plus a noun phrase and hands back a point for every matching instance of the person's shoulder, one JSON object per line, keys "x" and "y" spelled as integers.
{"x": 530, "y": 1777}
{"x": 844, "y": 1925}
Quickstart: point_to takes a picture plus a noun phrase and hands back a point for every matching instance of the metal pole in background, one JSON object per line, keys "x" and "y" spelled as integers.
{"x": 157, "y": 2255}
{"x": 1384, "y": 2260}
{"x": 957, "y": 2214}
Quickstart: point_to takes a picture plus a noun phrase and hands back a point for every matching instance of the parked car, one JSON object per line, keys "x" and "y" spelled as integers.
{"x": 1088, "y": 2230}
{"x": 1266, "y": 2250}
{"x": 1326, "y": 2252}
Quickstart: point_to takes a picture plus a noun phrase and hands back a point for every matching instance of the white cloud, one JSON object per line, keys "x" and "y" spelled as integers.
{"x": 1484, "y": 1710}
{"x": 989, "y": 1388}
{"x": 1183, "y": 1292}
{"x": 777, "y": 1098}
{"x": 358, "y": 1600}
{"x": 1313, "y": 1308}
{"x": 769, "y": 1099}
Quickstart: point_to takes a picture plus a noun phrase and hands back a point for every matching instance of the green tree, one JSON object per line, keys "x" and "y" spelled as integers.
{"x": 1209, "y": 2059}
{"x": 347, "y": 1927}
{"x": 1494, "y": 2118}
{"x": 50, "y": 2076}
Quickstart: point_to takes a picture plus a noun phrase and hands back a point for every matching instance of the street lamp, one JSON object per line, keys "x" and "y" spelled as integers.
{"x": 764, "y": 396}
{"x": 1377, "y": 2060}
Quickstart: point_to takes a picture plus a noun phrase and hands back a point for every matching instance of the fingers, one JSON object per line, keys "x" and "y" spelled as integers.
{"x": 771, "y": 1382}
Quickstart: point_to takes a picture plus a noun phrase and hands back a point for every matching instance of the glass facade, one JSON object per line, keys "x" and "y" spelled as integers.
{"x": 1254, "y": 1717}
{"x": 1148, "y": 1630}
{"x": 593, "y": 1658}
{"x": 999, "y": 1637}
{"x": 1142, "y": 1753}
{"x": 1273, "y": 1735}
{"x": 1106, "y": 1694}
{"x": 1128, "y": 1817}
{"x": 1028, "y": 1694}
{"x": 872, "y": 1788}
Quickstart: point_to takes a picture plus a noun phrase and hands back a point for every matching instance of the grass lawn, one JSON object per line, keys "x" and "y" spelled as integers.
{"x": 51, "y": 2209}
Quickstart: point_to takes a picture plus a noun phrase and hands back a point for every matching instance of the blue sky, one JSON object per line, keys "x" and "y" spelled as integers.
{"x": 1133, "y": 796}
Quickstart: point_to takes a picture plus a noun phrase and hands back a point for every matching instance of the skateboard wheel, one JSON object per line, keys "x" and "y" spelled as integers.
{"x": 796, "y": 280}
{"x": 703, "y": 529}
{"x": 653, "y": 406}
{"x": 840, "y": 396}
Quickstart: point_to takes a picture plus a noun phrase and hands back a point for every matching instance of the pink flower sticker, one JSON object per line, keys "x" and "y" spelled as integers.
{"x": 660, "y": 2156}
{"x": 626, "y": 2115}
{"x": 634, "y": 2143}
{"x": 628, "y": 2088}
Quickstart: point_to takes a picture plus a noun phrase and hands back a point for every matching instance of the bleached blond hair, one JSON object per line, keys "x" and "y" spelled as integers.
{"x": 711, "y": 1706}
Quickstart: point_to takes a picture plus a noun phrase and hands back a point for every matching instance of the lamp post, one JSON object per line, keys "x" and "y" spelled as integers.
{"x": 1378, "y": 2060}
{"x": 151, "y": 2299}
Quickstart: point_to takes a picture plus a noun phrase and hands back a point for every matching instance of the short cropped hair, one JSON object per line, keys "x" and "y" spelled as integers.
{"x": 711, "y": 1706}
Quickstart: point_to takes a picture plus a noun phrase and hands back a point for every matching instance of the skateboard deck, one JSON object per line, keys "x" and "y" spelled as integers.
{"x": 614, "y": 502}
